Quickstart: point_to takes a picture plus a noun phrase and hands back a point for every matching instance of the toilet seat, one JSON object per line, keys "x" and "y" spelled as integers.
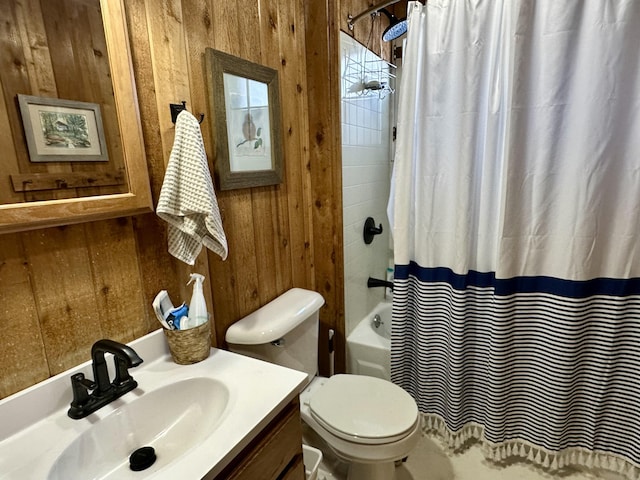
{"x": 364, "y": 409}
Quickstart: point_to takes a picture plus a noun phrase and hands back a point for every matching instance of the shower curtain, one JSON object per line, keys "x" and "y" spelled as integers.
{"x": 515, "y": 210}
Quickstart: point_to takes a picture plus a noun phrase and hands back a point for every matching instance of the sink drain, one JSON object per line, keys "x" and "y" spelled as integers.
{"x": 142, "y": 459}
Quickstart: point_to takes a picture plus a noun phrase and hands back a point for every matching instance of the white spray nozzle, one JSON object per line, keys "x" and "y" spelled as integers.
{"x": 196, "y": 277}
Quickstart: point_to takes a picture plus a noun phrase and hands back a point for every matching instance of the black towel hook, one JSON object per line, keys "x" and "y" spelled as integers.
{"x": 176, "y": 108}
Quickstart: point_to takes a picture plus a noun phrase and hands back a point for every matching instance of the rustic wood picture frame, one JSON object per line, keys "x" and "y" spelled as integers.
{"x": 218, "y": 64}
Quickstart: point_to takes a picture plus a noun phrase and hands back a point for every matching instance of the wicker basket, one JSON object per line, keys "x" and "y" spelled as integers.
{"x": 189, "y": 346}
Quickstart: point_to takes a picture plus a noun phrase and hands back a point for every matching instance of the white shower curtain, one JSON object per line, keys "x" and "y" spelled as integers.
{"x": 515, "y": 211}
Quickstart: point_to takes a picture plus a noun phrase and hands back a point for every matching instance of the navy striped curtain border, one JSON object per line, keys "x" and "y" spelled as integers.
{"x": 558, "y": 369}
{"x": 538, "y": 284}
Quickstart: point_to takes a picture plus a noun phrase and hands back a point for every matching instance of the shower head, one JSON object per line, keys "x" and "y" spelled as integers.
{"x": 396, "y": 27}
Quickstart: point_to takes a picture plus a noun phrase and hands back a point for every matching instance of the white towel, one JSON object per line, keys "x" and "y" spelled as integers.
{"x": 187, "y": 199}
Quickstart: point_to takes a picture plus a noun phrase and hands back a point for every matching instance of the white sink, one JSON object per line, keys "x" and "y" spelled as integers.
{"x": 197, "y": 418}
{"x": 194, "y": 407}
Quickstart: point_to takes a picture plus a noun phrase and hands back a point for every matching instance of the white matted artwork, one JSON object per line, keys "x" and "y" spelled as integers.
{"x": 60, "y": 130}
{"x": 248, "y": 128}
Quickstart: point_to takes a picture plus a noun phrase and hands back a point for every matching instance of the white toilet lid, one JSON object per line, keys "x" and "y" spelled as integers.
{"x": 365, "y": 409}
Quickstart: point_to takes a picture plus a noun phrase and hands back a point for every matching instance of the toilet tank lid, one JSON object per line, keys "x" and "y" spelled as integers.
{"x": 275, "y": 319}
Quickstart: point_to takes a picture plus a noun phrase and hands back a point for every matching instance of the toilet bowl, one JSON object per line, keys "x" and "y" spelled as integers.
{"x": 366, "y": 421}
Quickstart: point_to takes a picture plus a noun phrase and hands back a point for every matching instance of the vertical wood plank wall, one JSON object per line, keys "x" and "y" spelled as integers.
{"x": 63, "y": 288}
{"x": 324, "y": 21}
{"x": 53, "y": 49}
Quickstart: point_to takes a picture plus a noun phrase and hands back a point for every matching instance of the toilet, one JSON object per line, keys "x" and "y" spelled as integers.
{"x": 366, "y": 421}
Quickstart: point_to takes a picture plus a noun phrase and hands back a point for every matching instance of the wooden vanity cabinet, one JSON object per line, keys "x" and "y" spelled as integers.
{"x": 275, "y": 454}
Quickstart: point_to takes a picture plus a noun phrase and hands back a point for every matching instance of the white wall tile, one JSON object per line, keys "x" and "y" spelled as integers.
{"x": 365, "y": 179}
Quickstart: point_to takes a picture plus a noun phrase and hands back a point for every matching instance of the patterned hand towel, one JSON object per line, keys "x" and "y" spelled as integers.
{"x": 187, "y": 199}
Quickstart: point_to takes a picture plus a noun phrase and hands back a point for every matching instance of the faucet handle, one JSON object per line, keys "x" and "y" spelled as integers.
{"x": 80, "y": 387}
{"x": 370, "y": 230}
{"x": 122, "y": 373}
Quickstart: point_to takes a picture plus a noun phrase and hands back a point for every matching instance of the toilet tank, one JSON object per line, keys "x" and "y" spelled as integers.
{"x": 284, "y": 331}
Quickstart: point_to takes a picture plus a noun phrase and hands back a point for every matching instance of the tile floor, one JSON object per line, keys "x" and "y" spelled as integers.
{"x": 430, "y": 462}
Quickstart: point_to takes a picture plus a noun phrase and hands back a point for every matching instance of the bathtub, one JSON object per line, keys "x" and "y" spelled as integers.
{"x": 369, "y": 346}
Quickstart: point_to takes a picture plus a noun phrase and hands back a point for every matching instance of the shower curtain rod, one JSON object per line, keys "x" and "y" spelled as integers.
{"x": 351, "y": 20}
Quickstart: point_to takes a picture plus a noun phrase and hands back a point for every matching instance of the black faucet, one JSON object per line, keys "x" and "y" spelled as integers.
{"x": 376, "y": 282}
{"x": 104, "y": 391}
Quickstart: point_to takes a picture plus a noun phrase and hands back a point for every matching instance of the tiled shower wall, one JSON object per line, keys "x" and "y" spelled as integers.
{"x": 365, "y": 178}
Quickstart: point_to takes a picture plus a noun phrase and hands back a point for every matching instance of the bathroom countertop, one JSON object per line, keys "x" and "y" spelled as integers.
{"x": 35, "y": 429}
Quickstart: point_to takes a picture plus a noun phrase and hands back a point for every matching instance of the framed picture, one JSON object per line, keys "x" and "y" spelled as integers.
{"x": 248, "y": 130}
{"x": 59, "y": 130}
{"x": 245, "y": 100}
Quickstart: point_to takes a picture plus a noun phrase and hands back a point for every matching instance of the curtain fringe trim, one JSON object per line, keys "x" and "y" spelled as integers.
{"x": 540, "y": 456}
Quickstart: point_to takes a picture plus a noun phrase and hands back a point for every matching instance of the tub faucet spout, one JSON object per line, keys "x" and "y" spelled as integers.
{"x": 376, "y": 282}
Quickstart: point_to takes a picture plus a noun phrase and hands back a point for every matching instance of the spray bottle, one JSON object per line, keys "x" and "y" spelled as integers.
{"x": 198, "y": 307}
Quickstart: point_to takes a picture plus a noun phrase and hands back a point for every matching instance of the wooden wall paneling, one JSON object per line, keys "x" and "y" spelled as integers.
{"x": 322, "y": 53}
{"x": 242, "y": 251}
{"x": 74, "y": 30}
{"x": 219, "y": 25}
{"x": 117, "y": 280}
{"x": 90, "y": 46}
{"x": 225, "y": 26}
{"x": 246, "y": 45}
{"x": 22, "y": 352}
{"x": 282, "y": 240}
{"x": 164, "y": 53}
{"x": 60, "y": 25}
{"x": 293, "y": 88}
{"x": 168, "y": 61}
{"x": 140, "y": 42}
{"x": 58, "y": 17}
{"x": 9, "y": 157}
{"x": 198, "y": 37}
{"x": 252, "y": 43}
{"x": 33, "y": 36}
{"x": 265, "y": 241}
{"x": 400, "y": 9}
{"x": 63, "y": 286}
{"x": 14, "y": 79}
{"x": 366, "y": 31}
{"x": 237, "y": 205}
{"x": 382, "y": 48}
{"x": 219, "y": 288}
{"x": 38, "y": 58}
{"x": 278, "y": 196}
{"x": 265, "y": 223}
{"x": 269, "y": 28}
{"x": 87, "y": 81}
{"x": 354, "y": 8}
{"x": 291, "y": 223}
{"x": 157, "y": 267}
{"x": 195, "y": 44}
{"x": 335, "y": 263}
{"x": 69, "y": 27}
{"x": 248, "y": 39}
{"x": 126, "y": 104}
{"x": 170, "y": 72}
{"x": 223, "y": 279}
